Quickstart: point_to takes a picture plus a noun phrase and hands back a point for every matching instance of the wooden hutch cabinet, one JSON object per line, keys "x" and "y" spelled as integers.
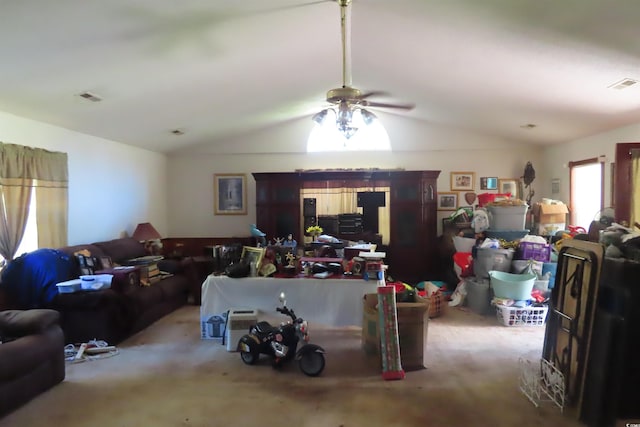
{"x": 412, "y": 210}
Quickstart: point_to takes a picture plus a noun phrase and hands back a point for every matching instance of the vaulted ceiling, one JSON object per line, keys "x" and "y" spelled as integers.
{"x": 213, "y": 69}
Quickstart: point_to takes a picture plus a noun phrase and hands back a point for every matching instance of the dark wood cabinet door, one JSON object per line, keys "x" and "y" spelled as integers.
{"x": 413, "y": 226}
{"x": 278, "y": 205}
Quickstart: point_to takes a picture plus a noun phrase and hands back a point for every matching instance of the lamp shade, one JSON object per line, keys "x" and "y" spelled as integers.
{"x": 145, "y": 231}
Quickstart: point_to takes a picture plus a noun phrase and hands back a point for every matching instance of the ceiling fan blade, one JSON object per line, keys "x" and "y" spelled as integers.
{"x": 373, "y": 93}
{"x": 386, "y": 105}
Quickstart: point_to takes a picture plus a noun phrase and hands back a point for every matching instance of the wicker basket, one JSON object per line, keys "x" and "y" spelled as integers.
{"x": 437, "y": 304}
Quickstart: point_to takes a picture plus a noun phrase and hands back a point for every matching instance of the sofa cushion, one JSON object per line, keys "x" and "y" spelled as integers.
{"x": 122, "y": 249}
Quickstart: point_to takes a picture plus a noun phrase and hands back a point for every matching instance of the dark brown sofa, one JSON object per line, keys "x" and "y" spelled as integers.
{"x": 109, "y": 315}
{"x": 31, "y": 355}
{"x": 114, "y": 314}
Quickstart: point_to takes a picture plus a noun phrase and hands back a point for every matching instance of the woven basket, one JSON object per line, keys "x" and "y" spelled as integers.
{"x": 437, "y": 304}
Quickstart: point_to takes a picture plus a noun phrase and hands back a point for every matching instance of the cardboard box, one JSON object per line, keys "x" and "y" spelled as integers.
{"x": 212, "y": 326}
{"x": 413, "y": 322}
{"x": 550, "y": 213}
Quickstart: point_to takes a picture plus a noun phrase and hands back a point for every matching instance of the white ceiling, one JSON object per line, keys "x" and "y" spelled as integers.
{"x": 216, "y": 68}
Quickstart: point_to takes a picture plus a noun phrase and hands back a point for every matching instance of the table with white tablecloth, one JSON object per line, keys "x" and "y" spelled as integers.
{"x": 331, "y": 302}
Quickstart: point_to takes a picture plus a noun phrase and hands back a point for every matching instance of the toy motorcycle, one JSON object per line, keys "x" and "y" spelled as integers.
{"x": 281, "y": 343}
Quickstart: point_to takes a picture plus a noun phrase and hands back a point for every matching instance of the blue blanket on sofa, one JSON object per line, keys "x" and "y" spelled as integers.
{"x": 30, "y": 280}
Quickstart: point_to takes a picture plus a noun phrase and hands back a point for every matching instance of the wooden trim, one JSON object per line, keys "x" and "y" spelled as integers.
{"x": 623, "y": 180}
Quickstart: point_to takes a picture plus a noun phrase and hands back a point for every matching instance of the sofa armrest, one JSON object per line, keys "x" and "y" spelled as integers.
{"x": 18, "y": 323}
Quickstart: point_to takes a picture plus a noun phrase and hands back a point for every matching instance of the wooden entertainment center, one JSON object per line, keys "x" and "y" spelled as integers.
{"x": 412, "y": 204}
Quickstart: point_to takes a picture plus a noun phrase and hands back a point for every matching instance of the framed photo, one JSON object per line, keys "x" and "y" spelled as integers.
{"x": 488, "y": 183}
{"x": 461, "y": 181}
{"x": 230, "y": 194}
{"x": 251, "y": 254}
{"x": 508, "y": 186}
{"x": 447, "y": 201}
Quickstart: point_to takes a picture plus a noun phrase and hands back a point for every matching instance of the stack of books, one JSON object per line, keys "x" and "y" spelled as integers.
{"x": 150, "y": 274}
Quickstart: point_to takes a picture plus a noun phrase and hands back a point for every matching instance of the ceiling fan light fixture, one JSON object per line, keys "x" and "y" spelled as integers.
{"x": 320, "y": 116}
{"x": 367, "y": 116}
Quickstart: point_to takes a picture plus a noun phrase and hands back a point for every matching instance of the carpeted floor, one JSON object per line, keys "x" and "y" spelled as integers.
{"x": 167, "y": 376}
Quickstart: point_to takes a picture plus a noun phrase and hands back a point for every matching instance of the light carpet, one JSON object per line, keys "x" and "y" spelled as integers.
{"x": 167, "y": 376}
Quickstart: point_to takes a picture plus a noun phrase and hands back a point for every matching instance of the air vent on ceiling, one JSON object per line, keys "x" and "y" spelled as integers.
{"x": 90, "y": 96}
{"x": 623, "y": 84}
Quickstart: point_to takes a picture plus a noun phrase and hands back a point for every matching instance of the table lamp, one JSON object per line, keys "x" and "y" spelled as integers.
{"x": 145, "y": 232}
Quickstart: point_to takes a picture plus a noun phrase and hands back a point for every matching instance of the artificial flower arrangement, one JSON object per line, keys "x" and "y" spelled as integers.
{"x": 314, "y": 230}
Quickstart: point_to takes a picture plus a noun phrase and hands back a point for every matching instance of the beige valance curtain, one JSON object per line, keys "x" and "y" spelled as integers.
{"x": 27, "y": 172}
{"x": 635, "y": 188}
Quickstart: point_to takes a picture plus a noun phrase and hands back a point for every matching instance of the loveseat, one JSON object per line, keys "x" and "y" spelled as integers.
{"x": 111, "y": 314}
{"x": 31, "y": 355}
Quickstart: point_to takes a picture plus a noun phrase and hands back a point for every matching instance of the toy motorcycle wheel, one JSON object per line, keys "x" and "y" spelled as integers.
{"x": 246, "y": 354}
{"x": 312, "y": 363}
{"x": 248, "y": 357}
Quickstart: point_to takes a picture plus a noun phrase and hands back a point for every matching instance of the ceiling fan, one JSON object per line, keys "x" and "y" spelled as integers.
{"x": 347, "y": 99}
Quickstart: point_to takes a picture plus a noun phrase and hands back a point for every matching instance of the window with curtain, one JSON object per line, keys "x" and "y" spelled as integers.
{"x": 32, "y": 179}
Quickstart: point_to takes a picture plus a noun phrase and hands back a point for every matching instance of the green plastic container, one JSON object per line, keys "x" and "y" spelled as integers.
{"x": 512, "y": 286}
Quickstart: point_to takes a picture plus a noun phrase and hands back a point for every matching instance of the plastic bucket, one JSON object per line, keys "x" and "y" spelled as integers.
{"x": 478, "y": 296}
{"x": 512, "y": 286}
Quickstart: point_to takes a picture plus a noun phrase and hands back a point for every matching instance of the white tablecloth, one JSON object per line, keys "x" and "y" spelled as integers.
{"x": 331, "y": 302}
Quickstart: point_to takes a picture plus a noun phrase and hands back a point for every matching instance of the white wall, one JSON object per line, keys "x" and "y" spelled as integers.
{"x": 112, "y": 186}
{"x": 556, "y": 159}
{"x": 416, "y": 146}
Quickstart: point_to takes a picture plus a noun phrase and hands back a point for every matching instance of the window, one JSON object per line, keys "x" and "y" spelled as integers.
{"x": 587, "y": 189}
{"x": 29, "y": 241}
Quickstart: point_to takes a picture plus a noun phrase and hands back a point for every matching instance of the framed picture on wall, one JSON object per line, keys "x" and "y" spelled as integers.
{"x": 230, "y": 194}
{"x": 509, "y": 185}
{"x": 461, "y": 181}
{"x": 447, "y": 201}
{"x": 488, "y": 183}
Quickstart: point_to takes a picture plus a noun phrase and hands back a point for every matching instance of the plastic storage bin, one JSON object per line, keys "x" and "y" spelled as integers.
{"x": 478, "y": 296}
{"x": 521, "y": 316}
{"x": 487, "y": 259}
{"x": 534, "y": 251}
{"x": 512, "y": 286}
{"x": 507, "y": 217}
{"x": 68, "y": 287}
{"x": 95, "y": 282}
